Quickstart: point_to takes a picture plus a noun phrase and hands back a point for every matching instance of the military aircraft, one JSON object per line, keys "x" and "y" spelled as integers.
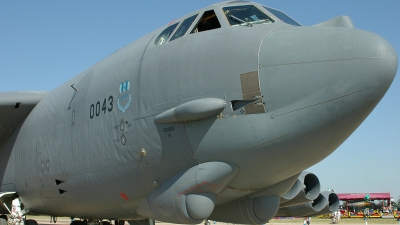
{"x": 216, "y": 115}
{"x": 361, "y": 204}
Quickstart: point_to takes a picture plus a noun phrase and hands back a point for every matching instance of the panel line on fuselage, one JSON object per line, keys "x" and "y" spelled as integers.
{"x": 253, "y": 146}
{"x": 321, "y": 61}
{"x": 319, "y": 103}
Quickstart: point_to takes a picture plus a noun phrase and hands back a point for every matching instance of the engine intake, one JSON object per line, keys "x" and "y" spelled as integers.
{"x": 309, "y": 192}
{"x": 332, "y": 206}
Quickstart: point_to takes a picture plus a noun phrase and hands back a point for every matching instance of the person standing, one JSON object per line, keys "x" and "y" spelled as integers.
{"x": 366, "y": 215}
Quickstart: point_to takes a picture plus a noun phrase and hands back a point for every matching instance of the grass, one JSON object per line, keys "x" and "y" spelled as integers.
{"x": 342, "y": 221}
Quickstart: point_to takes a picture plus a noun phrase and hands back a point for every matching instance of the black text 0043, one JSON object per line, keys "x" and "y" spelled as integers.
{"x": 101, "y": 107}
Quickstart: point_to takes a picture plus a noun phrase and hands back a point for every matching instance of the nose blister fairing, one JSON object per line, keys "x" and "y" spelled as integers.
{"x": 296, "y": 63}
{"x": 320, "y": 83}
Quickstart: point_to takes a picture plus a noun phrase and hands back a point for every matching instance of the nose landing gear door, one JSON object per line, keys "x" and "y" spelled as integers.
{"x": 251, "y": 92}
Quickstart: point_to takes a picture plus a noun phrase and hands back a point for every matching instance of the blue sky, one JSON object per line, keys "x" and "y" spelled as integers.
{"x": 44, "y": 43}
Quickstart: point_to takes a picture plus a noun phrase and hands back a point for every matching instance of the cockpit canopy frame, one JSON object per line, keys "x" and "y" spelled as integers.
{"x": 237, "y": 13}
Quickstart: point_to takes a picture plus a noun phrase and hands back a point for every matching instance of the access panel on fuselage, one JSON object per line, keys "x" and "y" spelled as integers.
{"x": 251, "y": 91}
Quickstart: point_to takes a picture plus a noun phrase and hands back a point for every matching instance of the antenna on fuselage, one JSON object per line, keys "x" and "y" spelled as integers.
{"x": 76, "y": 90}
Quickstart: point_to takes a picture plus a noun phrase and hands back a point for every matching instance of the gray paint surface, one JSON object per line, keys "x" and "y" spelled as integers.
{"x": 313, "y": 85}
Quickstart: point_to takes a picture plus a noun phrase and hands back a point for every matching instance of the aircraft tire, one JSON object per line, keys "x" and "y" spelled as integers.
{"x": 31, "y": 222}
{"x": 78, "y": 222}
{"x": 4, "y": 217}
{"x": 106, "y": 223}
{"x": 120, "y": 222}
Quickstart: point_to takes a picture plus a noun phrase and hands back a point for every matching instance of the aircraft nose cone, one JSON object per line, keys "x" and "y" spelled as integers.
{"x": 319, "y": 84}
{"x": 380, "y": 65}
{"x": 324, "y": 63}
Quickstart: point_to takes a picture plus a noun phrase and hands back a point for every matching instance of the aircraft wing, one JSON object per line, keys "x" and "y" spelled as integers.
{"x": 14, "y": 108}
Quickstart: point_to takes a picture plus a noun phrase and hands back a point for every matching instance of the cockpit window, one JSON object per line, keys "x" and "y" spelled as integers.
{"x": 163, "y": 37}
{"x": 183, "y": 27}
{"x": 282, "y": 16}
{"x": 208, "y": 21}
{"x": 245, "y": 15}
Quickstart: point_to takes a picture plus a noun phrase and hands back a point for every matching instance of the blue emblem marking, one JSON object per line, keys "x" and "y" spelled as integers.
{"x": 124, "y": 94}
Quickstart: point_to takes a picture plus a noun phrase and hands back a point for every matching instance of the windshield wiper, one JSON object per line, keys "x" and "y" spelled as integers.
{"x": 240, "y": 20}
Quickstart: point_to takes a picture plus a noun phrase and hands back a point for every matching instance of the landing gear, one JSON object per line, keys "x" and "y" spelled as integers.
{"x": 79, "y": 222}
{"x": 142, "y": 222}
{"x": 3, "y": 220}
{"x": 4, "y": 217}
{"x": 96, "y": 222}
{"x": 93, "y": 222}
{"x": 31, "y": 222}
{"x": 119, "y": 222}
{"x": 206, "y": 222}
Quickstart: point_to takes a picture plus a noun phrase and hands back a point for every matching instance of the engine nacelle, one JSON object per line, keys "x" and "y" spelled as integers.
{"x": 248, "y": 210}
{"x": 304, "y": 209}
{"x": 295, "y": 190}
{"x": 332, "y": 206}
{"x": 188, "y": 197}
{"x": 310, "y": 190}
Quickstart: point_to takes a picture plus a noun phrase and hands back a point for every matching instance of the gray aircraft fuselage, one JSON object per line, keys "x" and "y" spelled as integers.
{"x": 91, "y": 148}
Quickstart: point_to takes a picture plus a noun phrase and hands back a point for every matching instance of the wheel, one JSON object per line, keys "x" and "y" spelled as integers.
{"x": 3, "y": 221}
{"x": 78, "y": 222}
{"x": 4, "y": 217}
{"x": 31, "y": 222}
